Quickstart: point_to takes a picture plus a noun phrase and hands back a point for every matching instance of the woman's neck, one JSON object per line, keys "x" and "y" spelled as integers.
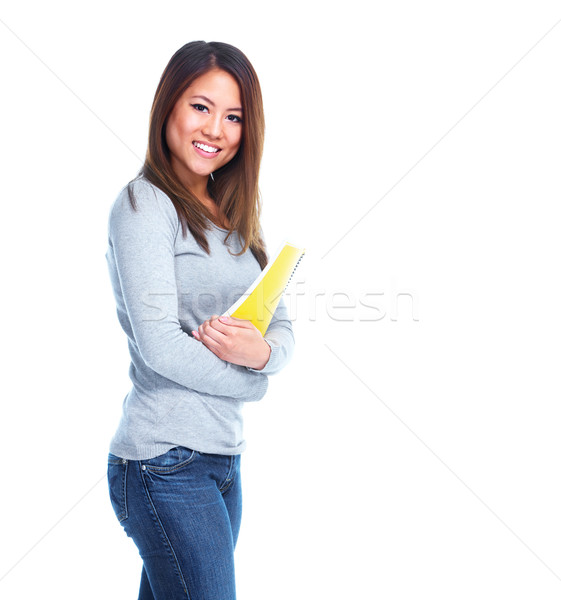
{"x": 218, "y": 215}
{"x": 199, "y": 187}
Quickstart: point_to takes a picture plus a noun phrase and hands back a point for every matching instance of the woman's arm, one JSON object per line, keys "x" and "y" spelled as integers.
{"x": 142, "y": 247}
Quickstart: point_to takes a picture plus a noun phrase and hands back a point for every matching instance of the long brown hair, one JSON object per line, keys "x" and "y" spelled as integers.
{"x": 235, "y": 185}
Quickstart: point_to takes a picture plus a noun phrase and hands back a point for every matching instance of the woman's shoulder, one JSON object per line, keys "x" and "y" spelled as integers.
{"x": 141, "y": 199}
{"x": 146, "y": 191}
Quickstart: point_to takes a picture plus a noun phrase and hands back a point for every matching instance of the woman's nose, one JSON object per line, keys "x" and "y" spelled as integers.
{"x": 213, "y": 127}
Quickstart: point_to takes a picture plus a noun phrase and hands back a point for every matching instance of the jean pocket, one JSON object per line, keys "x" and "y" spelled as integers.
{"x": 117, "y": 479}
{"x": 170, "y": 462}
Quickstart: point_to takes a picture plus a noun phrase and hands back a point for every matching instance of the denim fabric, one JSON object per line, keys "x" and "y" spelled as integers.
{"x": 183, "y": 511}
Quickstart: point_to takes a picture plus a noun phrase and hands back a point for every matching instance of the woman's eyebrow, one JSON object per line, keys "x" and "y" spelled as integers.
{"x": 209, "y": 101}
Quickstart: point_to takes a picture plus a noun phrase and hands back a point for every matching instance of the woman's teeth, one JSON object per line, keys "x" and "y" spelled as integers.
{"x": 205, "y": 147}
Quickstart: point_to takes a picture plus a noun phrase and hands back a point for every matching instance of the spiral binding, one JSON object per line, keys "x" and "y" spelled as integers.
{"x": 293, "y": 271}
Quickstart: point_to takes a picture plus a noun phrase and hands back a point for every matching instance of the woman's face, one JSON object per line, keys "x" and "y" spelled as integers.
{"x": 204, "y": 129}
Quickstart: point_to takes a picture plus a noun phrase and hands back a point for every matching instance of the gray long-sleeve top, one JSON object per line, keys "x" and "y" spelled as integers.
{"x": 165, "y": 286}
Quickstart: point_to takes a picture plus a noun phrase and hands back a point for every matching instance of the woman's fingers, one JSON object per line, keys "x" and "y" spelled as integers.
{"x": 235, "y": 322}
{"x": 208, "y": 331}
{"x": 228, "y": 337}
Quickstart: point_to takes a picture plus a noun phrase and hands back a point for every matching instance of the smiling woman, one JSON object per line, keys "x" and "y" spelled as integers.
{"x": 204, "y": 137}
{"x": 178, "y": 235}
{"x": 215, "y": 80}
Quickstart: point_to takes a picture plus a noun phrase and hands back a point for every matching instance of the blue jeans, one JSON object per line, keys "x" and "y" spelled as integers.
{"x": 183, "y": 511}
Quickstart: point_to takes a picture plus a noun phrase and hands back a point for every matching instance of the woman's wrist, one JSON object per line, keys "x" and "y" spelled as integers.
{"x": 263, "y": 358}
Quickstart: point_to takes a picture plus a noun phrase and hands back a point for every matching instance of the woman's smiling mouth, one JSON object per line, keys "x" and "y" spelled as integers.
{"x": 206, "y": 150}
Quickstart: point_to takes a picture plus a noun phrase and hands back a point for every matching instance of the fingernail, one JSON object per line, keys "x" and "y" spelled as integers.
{"x": 223, "y": 319}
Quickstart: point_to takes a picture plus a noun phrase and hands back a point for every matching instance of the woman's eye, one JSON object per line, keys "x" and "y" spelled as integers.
{"x": 200, "y": 107}
{"x": 234, "y": 118}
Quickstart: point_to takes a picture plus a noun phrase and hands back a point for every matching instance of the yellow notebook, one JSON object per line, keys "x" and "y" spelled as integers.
{"x": 260, "y": 301}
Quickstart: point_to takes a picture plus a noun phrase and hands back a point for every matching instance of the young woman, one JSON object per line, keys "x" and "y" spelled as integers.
{"x": 184, "y": 244}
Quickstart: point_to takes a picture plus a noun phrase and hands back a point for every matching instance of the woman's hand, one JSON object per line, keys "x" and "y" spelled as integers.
{"x": 235, "y": 340}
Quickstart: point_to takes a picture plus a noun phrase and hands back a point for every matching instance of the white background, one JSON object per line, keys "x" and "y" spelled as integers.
{"x": 409, "y": 450}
